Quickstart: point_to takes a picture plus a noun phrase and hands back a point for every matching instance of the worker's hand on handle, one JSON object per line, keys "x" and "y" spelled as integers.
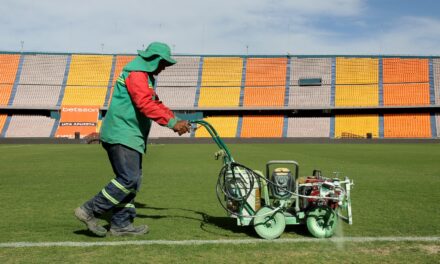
{"x": 182, "y": 127}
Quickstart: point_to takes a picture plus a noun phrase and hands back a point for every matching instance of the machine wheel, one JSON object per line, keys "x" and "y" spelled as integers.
{"x": 322, "y": 221}
{"x": 269, "y": 224}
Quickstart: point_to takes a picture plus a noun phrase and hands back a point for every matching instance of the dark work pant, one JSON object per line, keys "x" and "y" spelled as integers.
{"x": 118, "y": 195}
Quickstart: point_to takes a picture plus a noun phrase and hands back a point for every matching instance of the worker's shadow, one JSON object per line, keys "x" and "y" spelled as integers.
{"x": 208, "y": 223}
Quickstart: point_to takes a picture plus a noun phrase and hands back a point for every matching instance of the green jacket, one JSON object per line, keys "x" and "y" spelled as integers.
{"x": 124, "y": 123}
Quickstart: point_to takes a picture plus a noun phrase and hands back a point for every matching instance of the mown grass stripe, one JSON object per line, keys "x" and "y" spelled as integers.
{"x": 222, "y": 241}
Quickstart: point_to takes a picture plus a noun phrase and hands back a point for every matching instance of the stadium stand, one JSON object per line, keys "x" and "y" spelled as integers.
{"x": 357, "y": 82}
{"x": 307, "y": 68}
{"x": 264, "y": 96}
{"x": 310, "y": 96}
{"x": 222, "y": 72}
{"x": 219, "y": 96}
{"x": 177, "y": 85}
{"x": 2, "y": 121}
{"x": 89, "y": 70}
{"x": 437, "y": 117}
{"x": 357, "y": 95}
{"x": 5, "y": 93}
{"x": 357, "y": 71}
{"x": 405, "y": 70}
{"x": 304, "y": 127}
{"x": 406, "y": 94}
{"x": 184, "y": 73}
{"x": 30, "y": 126}
{"x": 356, "y": 126}
{"x": 262, "y": 126}
{"x": 88, "y": 79}
{"x": 361, "y": 85}
{"x": 411, "y": 125}
{"x": 37, "y": 95}
{"x": 43, "y": 69}
{"x": 265, "y": 83}
{"x": 221, "y": 81}
{"x": 436, "y": 72}
{"x": 41, "y": 79}
{"x": 226, "y": 126}
{"x": 8, "y": 70}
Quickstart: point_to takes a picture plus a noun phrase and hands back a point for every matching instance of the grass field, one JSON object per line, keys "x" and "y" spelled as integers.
{"x": 396, "y": 193}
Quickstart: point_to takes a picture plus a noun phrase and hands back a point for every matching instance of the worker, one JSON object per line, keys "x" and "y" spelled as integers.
{"x": 124, "y": 135}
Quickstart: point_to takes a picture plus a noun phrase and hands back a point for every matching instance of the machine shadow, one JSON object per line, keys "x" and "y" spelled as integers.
{"x": 207, "y": 222}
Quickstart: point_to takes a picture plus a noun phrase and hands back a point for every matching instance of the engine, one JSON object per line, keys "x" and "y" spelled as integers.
{"x": 320, "y": 191}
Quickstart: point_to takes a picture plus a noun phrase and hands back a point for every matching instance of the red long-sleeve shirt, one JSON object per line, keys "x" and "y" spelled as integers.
{"x": 147, "y": 101}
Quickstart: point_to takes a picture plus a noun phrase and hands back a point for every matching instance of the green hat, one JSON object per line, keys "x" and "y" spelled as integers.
{"x": 159, "y": 49}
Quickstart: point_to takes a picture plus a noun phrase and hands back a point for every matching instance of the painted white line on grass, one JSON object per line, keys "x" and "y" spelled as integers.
{"x": 221, "y": 241}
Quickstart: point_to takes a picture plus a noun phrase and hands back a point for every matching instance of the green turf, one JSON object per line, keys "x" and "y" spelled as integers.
{"x": 396, "y": 190}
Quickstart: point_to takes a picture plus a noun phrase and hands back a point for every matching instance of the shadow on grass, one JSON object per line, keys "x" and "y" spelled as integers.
{"x": 206, "y": 222}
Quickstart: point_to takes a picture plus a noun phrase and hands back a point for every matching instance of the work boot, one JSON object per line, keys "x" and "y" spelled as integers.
{"x": 90, "y": 220}
{"x": 129, "y": 230}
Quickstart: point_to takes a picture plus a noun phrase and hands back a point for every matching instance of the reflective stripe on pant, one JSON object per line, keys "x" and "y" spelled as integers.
{"x": 118, "y": 195}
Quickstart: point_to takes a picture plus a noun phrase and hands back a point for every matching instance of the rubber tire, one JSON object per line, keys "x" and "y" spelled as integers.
{"x": 322, "y": 221}
{"x": 269, "y": 226}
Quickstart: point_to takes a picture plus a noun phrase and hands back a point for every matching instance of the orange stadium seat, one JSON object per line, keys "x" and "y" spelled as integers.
{"x": 5, "y": 93}
{"x": 121, "y": 61}
{"x": 262, "y": 126}
{"x": 8, "y": 68}
{"x": 266, "y": 72}
{"x": 399, "y": 70}
{"x": 416, "y": 125}
{"x": 264, "y": 96}
{"x": 2, "y": 121}
{"x": 8, "y": 71}
{"x": 406, "y": 94}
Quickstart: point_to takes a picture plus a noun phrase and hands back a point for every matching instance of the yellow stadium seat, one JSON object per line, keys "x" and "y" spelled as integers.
{"x": 222, "y": 71}
{"x": 84, "y": 96}
{"x": 89, "y": 70}
{"x": 219, "y": 96}
{"x": 356, "y": 126}
{"x": 357, "y": 71}
{"x": 357, "y": 95}
{"x": 226, "y": 126}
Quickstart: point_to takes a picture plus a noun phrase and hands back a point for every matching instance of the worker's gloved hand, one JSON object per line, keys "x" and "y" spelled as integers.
{"x": 182, "y": 127}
